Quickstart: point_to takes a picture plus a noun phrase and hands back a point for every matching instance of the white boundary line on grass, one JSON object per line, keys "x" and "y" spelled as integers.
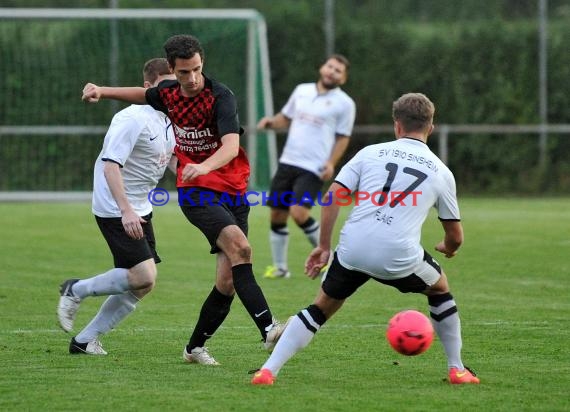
{"x": 333, "y": 326}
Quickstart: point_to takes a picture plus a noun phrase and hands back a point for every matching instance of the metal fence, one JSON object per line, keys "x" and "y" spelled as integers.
{"x": 82, "y": 176}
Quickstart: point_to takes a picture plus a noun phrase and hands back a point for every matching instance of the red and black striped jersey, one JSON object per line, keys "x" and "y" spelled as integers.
{"x": 199, "y": 123}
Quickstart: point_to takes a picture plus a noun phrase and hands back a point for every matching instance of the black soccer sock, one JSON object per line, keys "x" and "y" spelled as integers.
{"x": 312, "y": 230}
{"x": 252, "y": 297}
{"x": 447, "y": 325}
{"x": 214, "y": 310}
{"x": 310, "y": 225}
{"x": 279, "y": 228}
{"x": 316, "y": 314}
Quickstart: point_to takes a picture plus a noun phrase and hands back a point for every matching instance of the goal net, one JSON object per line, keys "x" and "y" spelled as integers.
{"x": 50, "y": 139}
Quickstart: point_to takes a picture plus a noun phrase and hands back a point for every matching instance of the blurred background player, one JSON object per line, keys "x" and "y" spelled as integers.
{"x": 320, "y": 117}
{"x": 209, "y": 167}
{"x": 137, "y": 149}
{"x": 380, "y": 240}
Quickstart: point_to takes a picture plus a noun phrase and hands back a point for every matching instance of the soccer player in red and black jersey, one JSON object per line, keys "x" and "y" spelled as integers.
{"x": 212, "y": 166}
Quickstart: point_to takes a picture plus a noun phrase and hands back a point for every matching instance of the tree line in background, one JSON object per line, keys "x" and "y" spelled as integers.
{"x": 476, "y": 59}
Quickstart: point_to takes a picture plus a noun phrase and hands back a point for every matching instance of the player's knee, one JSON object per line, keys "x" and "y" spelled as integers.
{"x": 439, "y": 287}
{"x": 244, "y": 252}
{"x": 300, "y": 214}
{"x": 143, "y": 275}
{"x": 147, "y": 282}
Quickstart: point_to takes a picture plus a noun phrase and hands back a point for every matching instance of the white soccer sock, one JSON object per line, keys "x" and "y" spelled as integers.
{"x": 295, "y": 337}
{"x": 279, "y": 244}
{"x": 112, "y": 282}
{"x": 449, "y": 331}
{"x": 112, "y": 311}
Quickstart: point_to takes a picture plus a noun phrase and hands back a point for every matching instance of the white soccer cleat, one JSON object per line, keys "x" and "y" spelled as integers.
{"x": 89, "y": 348}
{"x": 68, "y": 305}
{"x": 273, "y": 334}
{"x": 199, "y": 355}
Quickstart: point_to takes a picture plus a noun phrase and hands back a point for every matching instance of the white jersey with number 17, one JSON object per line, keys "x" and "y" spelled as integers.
{"x": 398, "y": 183}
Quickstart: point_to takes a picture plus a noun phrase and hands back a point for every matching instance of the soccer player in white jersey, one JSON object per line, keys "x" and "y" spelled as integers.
{"x": 381, "y": 238}
{"x": 320, "y": 117}
{"x": 137, "y": 149}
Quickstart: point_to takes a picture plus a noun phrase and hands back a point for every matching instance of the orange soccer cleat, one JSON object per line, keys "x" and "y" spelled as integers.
{"x": 263, "y": 377}
{"x": 458, "y": 377}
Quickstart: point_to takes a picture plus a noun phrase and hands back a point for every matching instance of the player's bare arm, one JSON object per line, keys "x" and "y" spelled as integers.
{"x": 131, "y": 221}
{"x": 452, "y": 240}
{"x": 279, "y": 121}
{"x": 228, "y": 151}
{"x": 340, "y": 145}
{"x": 93, "y": 93}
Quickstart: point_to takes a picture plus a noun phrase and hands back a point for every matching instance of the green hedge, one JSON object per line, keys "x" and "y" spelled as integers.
{"x": 476, "y": 72}
{"x": 484, "y": 72}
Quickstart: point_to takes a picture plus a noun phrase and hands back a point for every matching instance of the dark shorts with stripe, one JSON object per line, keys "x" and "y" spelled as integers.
{"x": 128, "y": 252}
{"x": 291, "y": 185}
{"x": 340, "y": 282}
{"x": 212, "y": 211}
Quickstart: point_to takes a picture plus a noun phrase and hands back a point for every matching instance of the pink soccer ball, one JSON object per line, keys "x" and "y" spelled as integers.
{"x": 410, "y": 332}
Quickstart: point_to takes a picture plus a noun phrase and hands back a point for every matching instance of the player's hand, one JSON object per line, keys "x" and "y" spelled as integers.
{"x": 264, "y": 123}
{"x": 328, "y": 171}
{"x": 193, "y": 170}
{"x": 91, "y": 93}
{"x": 132, "y": 223}
{"x": 317, "y": 260}
{"x": 440, "y": 247}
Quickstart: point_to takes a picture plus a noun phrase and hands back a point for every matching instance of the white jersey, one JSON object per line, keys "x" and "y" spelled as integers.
{"x": 316, "y": 120}
{"x": 141, "y": 141}
{"x": 381, "y": 236}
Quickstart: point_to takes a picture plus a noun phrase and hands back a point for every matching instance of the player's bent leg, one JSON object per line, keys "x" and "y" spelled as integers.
{"x": 224, "y": 276}
{"x": 214, "y": 311}
{"x": 279, "y": 241}
{"x": 306, "y": 223}
{"x": 112, "y": 312}
{"x": 142, "y": 277}
{"x": 298, "y": 333}
{"x": 72, "y": 291}
{"x": 234, "y": 244}
{"x": 447, "y": 324}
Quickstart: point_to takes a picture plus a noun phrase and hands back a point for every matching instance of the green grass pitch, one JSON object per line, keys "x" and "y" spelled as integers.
{"x": 511, "y": 281}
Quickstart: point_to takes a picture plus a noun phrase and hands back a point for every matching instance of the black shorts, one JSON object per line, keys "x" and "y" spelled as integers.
{"x": 128, "y": 252}
{"x": 291, "y": 185}
{"x": 340, "y": 282}
{"x": 212, "y": 211}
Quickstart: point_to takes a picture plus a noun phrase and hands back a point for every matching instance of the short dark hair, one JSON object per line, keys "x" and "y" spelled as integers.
{"x": 414, "y": 111}
{"x": 182, "y": 46}
{"x": 154, "y": 68}
{"x": 341, "y": 58}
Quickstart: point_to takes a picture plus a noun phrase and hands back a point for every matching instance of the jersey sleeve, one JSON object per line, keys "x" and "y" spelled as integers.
{"x": 121, "y": 138}
{"x": 346, "y": 119}
{"x": 349, "y": 175}
{"x": 446, "y": 204}
{"x": 153, "y": 97}
{"x": 289, "y": 109}
{"x": 226, "y": 112}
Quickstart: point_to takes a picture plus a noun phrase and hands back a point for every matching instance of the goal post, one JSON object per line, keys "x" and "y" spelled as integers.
{"x": 50, "y": 139}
